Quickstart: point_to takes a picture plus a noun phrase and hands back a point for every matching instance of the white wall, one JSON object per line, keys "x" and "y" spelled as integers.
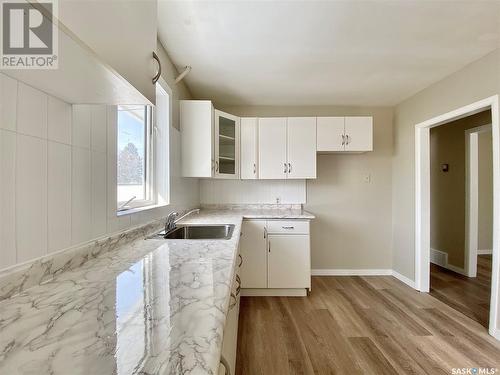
{"x": 58, "y": 172}
{"x": 252, "y": 191}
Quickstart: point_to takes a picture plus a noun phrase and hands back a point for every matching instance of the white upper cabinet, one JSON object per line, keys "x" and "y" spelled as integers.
{"x": 301, "y": 150}
{"x": 197, "y": 141}
{"x": 345, "y": 134}
{"x": 359, "y": 134}
{"x": 330, "y": 133}
{"x": 249, "y": 148}
{"x": 272, "y": 148}
{"x": 227, "y": 145}
{"x": 122, "y": 33}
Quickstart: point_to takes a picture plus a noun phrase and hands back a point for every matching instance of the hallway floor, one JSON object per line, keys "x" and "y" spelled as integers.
{"x": 471, "y": 296}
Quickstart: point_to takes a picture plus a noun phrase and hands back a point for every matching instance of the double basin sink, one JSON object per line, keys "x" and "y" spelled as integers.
{"x": 197, "y": 232}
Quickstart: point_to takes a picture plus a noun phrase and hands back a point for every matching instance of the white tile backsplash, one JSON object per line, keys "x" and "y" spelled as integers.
{"x": 31, "y": 197}
{"x": 58, "y": 174}
{"x": 7, "y": 198}
{"x": 59, "y": 121}
{"x": 31, "y": 111}
{"x": 81, "y": 125}
{"x": 59, "y": 196}
{"x": 252, "y": 191}
{"x": 99, "y": 191}
{"x": 98, "y": 128}
{"x": 8, "y": 102}
{"x": 81, "y": 196}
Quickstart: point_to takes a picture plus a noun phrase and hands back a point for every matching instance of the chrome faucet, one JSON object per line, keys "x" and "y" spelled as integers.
{"x": 170, "y": 224}
{"x": 173, "y": 218}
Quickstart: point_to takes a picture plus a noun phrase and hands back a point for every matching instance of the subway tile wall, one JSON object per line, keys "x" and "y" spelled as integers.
{"x": 58, "y": 175}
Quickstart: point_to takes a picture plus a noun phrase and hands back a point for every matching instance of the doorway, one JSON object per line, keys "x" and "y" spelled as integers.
{"x": 423, "y": 205}
{"x": 461, "y": 178}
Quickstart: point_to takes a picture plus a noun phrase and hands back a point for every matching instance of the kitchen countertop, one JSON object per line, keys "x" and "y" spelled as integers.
{"x": 149, "y": 307}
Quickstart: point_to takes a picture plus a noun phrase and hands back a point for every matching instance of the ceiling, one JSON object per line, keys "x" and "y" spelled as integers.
{"x": 323, "y": 53}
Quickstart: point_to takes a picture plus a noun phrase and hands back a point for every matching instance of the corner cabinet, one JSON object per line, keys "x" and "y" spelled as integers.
{"x": 345, "y": 134}
{"x": 210, "y": 141}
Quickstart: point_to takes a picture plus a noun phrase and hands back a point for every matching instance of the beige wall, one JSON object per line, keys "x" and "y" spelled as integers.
{"x": 485, "y": 159}
{"x": 448, "y": 188}
{"x": 352, "y": 229}
{"x": 476, "y": 81}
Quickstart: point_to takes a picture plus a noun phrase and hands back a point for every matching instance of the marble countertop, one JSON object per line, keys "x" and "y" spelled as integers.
{"x": 149, "y": 307}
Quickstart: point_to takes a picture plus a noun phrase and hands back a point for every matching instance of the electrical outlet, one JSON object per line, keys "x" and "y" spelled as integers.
{"x": 278, "y": 200}
{"x": 367, "y": 178}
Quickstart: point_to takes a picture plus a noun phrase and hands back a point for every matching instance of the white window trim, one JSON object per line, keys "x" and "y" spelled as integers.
{"x": 139, "y": 205}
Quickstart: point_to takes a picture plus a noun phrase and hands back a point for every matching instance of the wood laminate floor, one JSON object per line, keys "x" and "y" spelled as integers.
{"x": 469, "y": 295}
{"x": 359, "y": 325}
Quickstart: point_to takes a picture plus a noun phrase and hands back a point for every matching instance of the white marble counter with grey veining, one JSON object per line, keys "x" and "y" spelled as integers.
{"x": 147, "y": 307}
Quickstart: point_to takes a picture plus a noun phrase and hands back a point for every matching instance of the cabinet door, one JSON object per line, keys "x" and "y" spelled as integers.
{"x": 272, "y": 148}
{"x": 227, "y": 145}
{"x": 196, "y": 118}
{"x": 359, "y": 133}
{"x": 288, "y": 260}
{"x": 249, "y": 148}
{"x": 301, "y": 147}
{"x": 253, "y": 251}
{"x": 330, "y": 134}
{"x": 122, "y": 33}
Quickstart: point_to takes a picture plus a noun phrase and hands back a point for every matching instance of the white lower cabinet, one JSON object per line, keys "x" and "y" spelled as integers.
{"x": 276, "y": 257}
{"x": 288, "y": 262}
{"x": 230, "y": 339}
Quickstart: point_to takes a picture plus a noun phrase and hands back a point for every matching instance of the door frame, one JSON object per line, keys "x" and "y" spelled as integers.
{"x": 472, "y": 197}
{"x": 422, "y": 198}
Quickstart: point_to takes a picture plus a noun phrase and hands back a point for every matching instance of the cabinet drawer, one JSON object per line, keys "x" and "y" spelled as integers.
{"x": 288, "y": 226}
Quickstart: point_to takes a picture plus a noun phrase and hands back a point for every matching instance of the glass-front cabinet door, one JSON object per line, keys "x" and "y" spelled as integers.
{"x": 227, "y": 145}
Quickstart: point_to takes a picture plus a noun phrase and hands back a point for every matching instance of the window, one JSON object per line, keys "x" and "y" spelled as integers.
{"x": 134, "y": 167}
{"x": 143, "y": 153}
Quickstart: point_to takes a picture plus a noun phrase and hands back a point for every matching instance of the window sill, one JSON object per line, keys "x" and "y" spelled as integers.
{"x": 139, "y": 209}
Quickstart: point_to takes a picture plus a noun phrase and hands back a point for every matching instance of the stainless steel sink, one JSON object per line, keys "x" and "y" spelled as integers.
{"x": 198, "y": 232}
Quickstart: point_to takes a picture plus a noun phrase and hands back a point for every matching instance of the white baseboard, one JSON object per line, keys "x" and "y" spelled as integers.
{"x": 485, "y": 252}
{"x": 441, "y": 259}
{"x": 270, "y": 292}
{"x": 351, "y": 272}
{"x": 496, "y": 334}
{"x": 403, "y": 279}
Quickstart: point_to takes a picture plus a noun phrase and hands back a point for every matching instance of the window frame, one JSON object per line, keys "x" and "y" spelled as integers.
{"x": 154, "y": 131}
{"x": 149, "y": 183}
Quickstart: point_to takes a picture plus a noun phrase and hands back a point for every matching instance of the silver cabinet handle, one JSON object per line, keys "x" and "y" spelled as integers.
{"x": 285, "y": 167}
{"x": 232, "y": 304}
{"x": 343, "y": 140}
{"x": 158, "y": 74}
{"x": 254, "y": 168}
{"x": 347, "y": 139}
{"x": 287, "y": 227}
{"x": 289, "y": 168}
{"x": 265, "y": 232}
{"x": 238, "y": 288}
{"x": 223, "y": 362}
{"x": 216, "y": 166}
{"x": 241, "y": 260}
{"x": 269, "y": 246}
